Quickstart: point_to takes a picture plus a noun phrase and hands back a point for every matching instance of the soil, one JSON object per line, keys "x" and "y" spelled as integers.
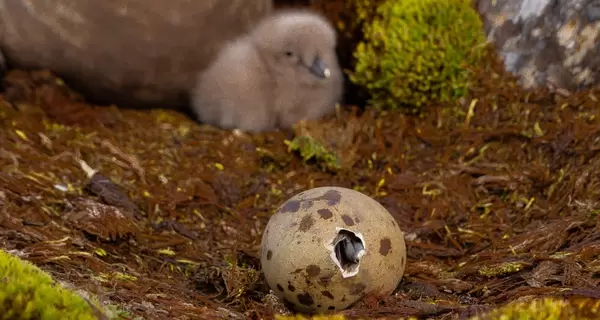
{"x": 498, "y": 196}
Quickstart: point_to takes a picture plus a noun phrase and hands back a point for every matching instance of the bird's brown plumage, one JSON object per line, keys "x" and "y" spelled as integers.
{"x": 129, "y": 52}
{"x": 272, "y": 77}
{"x": 2, "y": 64}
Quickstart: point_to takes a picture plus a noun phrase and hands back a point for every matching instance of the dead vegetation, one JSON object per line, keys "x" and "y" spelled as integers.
{"x": 498, "y": 196}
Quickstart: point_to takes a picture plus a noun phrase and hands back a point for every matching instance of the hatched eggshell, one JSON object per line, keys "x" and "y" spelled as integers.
{"x": 296, "y": 249}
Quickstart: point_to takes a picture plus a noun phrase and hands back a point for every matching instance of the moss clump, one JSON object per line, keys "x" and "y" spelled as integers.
{"x": 415, "y": 51}
{"x": 501, "y": 269}
{"x": 311, "y": 149}
{"x": 26, "y": 292}
{"x": 546, "y": 308}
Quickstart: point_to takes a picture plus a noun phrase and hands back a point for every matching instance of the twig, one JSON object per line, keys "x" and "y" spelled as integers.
{"x": 132, "y": 160}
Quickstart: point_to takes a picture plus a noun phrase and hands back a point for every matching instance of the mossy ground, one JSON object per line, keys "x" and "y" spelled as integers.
{"x": 498, "y": 195}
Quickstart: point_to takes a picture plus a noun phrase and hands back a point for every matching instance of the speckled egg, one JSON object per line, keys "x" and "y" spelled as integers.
{"x": 328, "y": 247}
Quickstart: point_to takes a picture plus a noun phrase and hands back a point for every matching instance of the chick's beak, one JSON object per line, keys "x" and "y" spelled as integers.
{"x": 319, "y": 68}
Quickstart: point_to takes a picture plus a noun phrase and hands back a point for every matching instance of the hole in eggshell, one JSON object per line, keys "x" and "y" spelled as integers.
{"x": 347, "y": 248}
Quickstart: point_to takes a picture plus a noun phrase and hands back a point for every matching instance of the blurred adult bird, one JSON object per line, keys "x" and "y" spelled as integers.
{"x": 281, "y": 72}
{"x": 2, "y": 64}
{"x": 133, "y": 53}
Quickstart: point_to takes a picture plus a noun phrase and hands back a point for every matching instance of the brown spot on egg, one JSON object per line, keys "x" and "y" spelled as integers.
{"x": 279, "y": 287}
{"x": 347, "y": 220}
{"x": 313, "y": 270}
{"x": 325, "y": 213}
{"x": 332, "y": 197}
{"x": 269, "y": 254}
{"x": 357, "y": 288}
{"x": 307, "y": 204}
{"x": 327, "y": 294}
{"x": 306, "y": 299}
{"x": 385, "y": 245}
{"x": 290, "y": 206}
{"x": 324, "y": 280}
{"x": 306, "y": 223}
{"x": 357, "y": 220}
{"x": 291, "y": 287}
{"x": 297, "y": 271}
{"x": 330, "y": 308}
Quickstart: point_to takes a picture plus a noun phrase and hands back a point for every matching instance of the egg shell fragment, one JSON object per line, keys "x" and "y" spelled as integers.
{"x": 296, "y": 249}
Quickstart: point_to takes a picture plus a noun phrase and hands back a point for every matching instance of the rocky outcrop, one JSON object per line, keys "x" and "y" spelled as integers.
{"x": 128, "y": 52}
{"x": 546, "y": 42}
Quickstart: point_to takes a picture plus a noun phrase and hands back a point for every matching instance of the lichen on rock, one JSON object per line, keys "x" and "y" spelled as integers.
{"x": 546, "y": 43}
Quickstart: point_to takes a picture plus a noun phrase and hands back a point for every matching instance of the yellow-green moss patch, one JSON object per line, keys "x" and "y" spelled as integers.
{"x": 415, "y": 51}
{"x": 26, "y": 292}
{"x": 547, "y": 308}
{"x": 311, "y": 149}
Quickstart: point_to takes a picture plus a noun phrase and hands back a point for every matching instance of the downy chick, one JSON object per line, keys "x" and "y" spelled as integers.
{"x": 283, "y": 71}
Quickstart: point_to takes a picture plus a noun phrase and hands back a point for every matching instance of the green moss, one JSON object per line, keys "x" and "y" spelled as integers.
{"x": 26, "y": 292}
{"x": 415, "y": 51}
{"x": 546, "y": 308}
{"x": 311, "y": 149}
{"x": 501, "y": 269}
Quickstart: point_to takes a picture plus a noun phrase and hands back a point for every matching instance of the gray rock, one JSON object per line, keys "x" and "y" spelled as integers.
{"x": 283, "y": 71}
{"x": 551, "y": 43}
{"x": 129, "y": 52}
